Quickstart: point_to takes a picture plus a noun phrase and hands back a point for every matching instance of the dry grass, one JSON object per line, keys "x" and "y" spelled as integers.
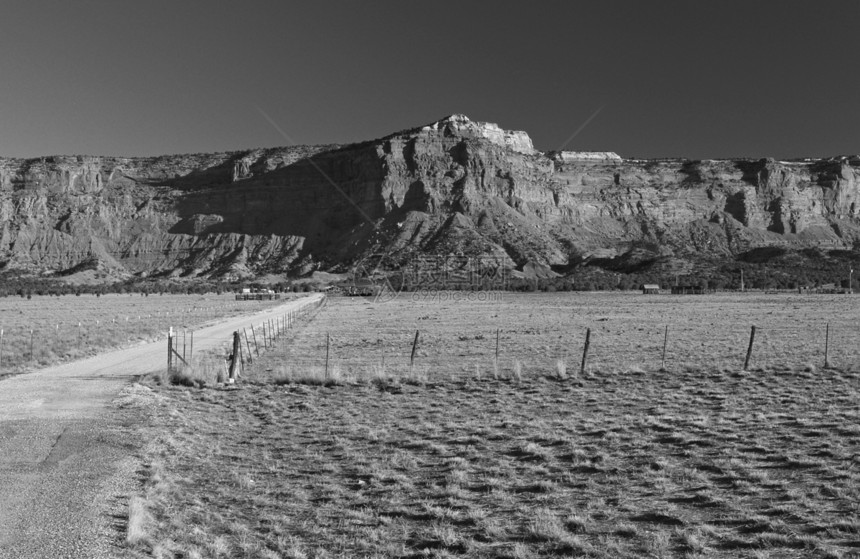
{"x": 708, "y": 333}
{"x": 317, "y": 376}
{"x": 622, "y": 462}
{"x": 202, "y": 371}
{"x": 492, "y": 468}
{"x": 105, "y": 322}
{"x": 139, "y": 523}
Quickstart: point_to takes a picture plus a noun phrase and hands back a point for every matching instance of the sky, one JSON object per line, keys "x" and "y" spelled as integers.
{"x": 648, "y": 79}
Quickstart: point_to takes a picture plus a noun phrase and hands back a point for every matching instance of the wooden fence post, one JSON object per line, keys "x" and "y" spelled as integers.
{"x": 585, "y": 350}
{"x": 183, "y": 343}
{"x": 327, "y": 344}
{"x": 232, "y": 373}
{"x": 169, "y": 349}
{"x": 191, "y": 350}
{"x": 749, "y": 349}
{"x": 31, "y": 346}
{"x": 1, "y": 348}
{"x": 241, "y": 358}
{"x": 665, "y": 341}
{"x": 414, "y": 347}
{"x": 497, "y": 344}
{"x": 247, "y": 343}
{"x": 827, "y": 347}
{"x": 256, "y": 347}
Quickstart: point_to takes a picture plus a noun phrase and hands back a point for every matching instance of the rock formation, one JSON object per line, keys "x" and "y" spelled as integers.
{"x": 452, "y": 187}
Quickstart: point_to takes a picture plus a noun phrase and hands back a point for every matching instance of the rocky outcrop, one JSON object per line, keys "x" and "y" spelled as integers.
{"x": 453, "y": 186}
{"x": 588, "y": 156}
{"x": 461, "y": 126}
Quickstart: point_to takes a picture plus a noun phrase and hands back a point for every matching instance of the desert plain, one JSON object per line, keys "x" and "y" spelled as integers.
{"x": 452, "y": 453}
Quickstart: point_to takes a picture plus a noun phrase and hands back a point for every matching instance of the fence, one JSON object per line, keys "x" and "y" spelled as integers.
{"x": 47, "y": 330}
{"x": 242, "y": 347}
{"x": 357, "y": 338}
{"x": 258, "y": 296}
{"x": 504, "y": 350}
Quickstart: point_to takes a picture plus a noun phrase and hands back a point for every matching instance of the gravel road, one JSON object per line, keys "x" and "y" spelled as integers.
{"x": 67, "y": 466}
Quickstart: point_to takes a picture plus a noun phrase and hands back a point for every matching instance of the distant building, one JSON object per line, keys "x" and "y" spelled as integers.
{"x": 364, "y": 290}
{"x": 650, "y": 289}
{"x": 248, "y": 294}
{"x": 831, "y": 288}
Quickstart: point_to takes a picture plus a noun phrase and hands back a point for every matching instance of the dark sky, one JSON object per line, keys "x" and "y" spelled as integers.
{"x": 673, "y": 78}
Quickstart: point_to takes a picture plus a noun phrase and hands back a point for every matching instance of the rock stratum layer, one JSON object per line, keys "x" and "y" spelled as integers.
{"x": 454, "y": 186}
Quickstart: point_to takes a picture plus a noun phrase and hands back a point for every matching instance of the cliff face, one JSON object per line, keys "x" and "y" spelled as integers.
{"x": 454, "y": 186}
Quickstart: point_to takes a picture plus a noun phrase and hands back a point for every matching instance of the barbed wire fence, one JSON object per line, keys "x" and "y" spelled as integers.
{"x": 46, "y": 341}
{"x": 512, "y": 351}
{"x": 245, "y": 345}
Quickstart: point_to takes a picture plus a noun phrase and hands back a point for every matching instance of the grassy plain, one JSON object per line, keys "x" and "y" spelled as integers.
{"x": 698, "y": 460}
{"x": 627, "y": 332}
{"x": 70, "y": 327}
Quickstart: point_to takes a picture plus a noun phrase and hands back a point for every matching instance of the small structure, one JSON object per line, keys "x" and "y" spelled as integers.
{"x": 688, "y": 290}
{"x": 831, "y": 289}
{"x": 650, "y": 289}
{"x": 362, "y": 288}
{"x": 257, "y": 295}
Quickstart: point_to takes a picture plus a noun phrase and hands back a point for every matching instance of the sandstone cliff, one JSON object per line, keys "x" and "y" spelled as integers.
{"x": 454, "y": 186}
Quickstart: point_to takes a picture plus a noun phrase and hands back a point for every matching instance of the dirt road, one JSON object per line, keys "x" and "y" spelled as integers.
{"x": 66, "y": 454}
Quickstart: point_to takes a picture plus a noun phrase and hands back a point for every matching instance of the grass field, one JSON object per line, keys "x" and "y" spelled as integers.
{"x": 69, "y": 327}
{"x": 627, "y": 332}
{"x": 699, "y": 460}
